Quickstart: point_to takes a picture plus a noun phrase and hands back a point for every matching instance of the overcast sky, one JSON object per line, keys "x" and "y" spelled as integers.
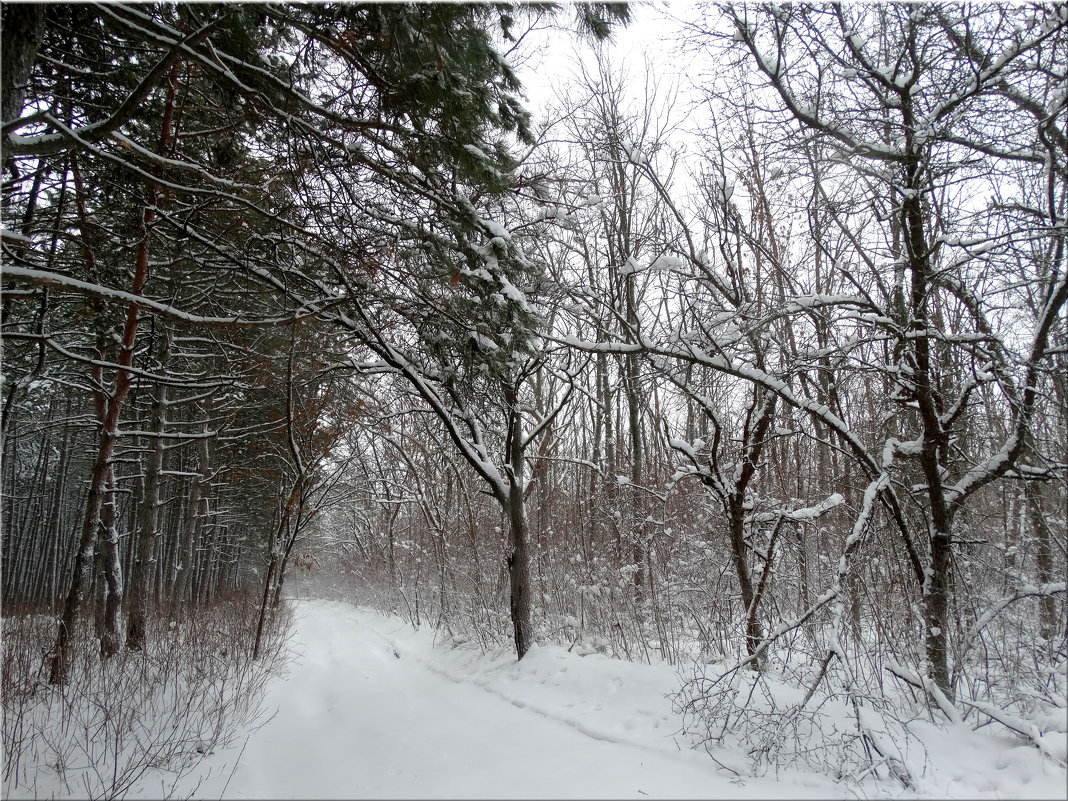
{"x": 651, "y": 32}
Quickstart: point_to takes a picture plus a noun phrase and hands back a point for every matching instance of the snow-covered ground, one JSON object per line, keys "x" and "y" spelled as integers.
{"x": 372, "y": 709}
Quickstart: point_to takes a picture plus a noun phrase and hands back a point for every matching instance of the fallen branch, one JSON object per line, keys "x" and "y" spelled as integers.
{"x": 1024, "y": 728}
{"x": 928, "y": 686}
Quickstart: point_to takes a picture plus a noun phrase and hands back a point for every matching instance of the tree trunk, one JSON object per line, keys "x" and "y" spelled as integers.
{"x": 108, "y": 410}
{"x": 1047, "y": 604}
{"x": 111, "y": 633}
{"x": 182, "y": 579}
{"x": 272, "y": 566}
{"x": 23, "y": 28}
{"x": 54, "y": 531}
{"x": 936, "y": 583}
{"x": 519, "y": 574}
{"x": 84, "y": 558}
{"x": 143, "y": 571}
{"x": 291, "y": 540}
{"x": 635, "y": 523}
{"x": 736, "y": 521}
{"x": 519, "y": 555}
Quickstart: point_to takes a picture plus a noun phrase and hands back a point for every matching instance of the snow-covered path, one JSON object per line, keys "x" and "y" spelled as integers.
{"x": 372, "y": 709}
{"x": 365, "y": 713}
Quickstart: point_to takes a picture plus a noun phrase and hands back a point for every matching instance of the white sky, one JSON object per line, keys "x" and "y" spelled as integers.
{"x": 651, "y": 33}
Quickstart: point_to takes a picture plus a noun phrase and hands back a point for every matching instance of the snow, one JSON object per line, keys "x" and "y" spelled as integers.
{"x": 510, "y": 291}
{"x": 14, "y": 237}
{"x": 497, "y": 230}
{"x": 813, "y": 512}
{"x": 478, "y": 153}
{"x": 555, "y": 213}
{"x": 667, "y": 262}
{"x": 634, "y": 152}
{"x": 371, "y": 708}
{"x": 49, "y": 278}
{"x": 726, "y": 189}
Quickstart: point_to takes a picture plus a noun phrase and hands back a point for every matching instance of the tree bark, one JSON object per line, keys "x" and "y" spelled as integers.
{"x": 110, "y": 418}
{"x": 1047, "y": 604}
{"x": 83, "y": 560}
{"x": 519, "y": 555}
{"x": 142, "y": 574}
{"x": 736, "y": 522}
{"x": 23, "y": 29}
{"x": 111, "y": 633}
{"x": 635, "y": 524}
{"x": 182, "y": 590}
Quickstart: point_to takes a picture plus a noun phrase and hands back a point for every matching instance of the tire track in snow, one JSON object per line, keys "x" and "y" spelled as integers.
{"x": 363, "y": 714}
{"x": 518, "y": 703}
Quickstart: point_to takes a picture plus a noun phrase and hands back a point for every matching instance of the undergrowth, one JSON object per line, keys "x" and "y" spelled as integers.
{"x": 157, "y": 711}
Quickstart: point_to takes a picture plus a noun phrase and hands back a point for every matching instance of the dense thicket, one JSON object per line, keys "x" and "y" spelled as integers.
{"x": 303, "y": 287}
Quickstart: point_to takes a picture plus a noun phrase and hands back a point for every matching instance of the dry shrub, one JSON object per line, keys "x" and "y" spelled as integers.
{"x": 162, "y": 710}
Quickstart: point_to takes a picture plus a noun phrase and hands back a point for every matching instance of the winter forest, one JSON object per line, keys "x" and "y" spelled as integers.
{"x": 756, "y": 369}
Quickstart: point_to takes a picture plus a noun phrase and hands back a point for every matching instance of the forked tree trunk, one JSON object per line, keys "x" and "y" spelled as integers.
{"x": 291, "y": 540}
{"x": 272, "y": 567}
{"x": 83, "y": 561}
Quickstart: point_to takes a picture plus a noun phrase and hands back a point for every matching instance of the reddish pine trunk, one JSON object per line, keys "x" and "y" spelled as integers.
{"x": 112, "y": 406}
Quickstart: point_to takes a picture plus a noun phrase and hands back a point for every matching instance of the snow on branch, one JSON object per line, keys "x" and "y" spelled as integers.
{"x": 47, "y": 144}
{"x": 926, "y": 684}
{"x": 1023, "y": 592}
{"x": 45, "y": 278}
